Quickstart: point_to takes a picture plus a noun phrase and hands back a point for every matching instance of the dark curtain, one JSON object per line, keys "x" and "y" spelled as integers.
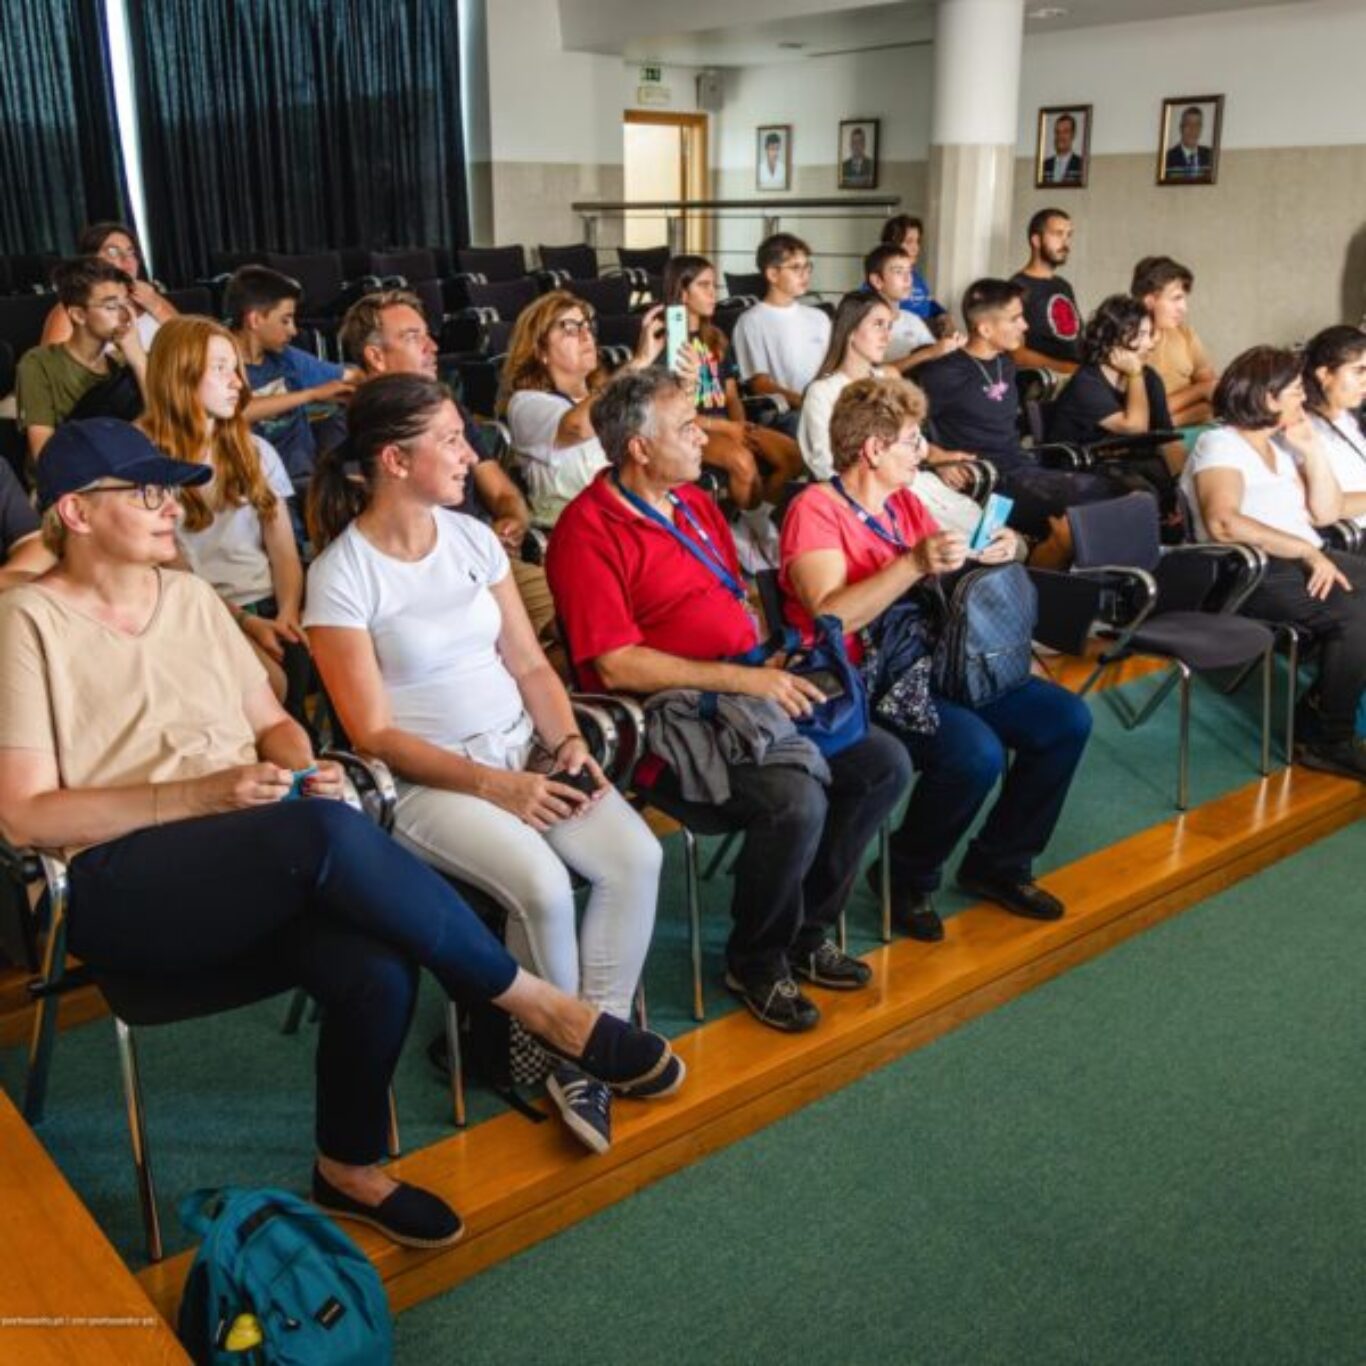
{"x": 60, "y": 162}
{"x": 298, "y": 125}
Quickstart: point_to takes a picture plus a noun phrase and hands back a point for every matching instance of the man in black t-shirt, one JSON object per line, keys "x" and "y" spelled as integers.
{"x": 1050, "y": 306}
{"x": 974, "y": 407}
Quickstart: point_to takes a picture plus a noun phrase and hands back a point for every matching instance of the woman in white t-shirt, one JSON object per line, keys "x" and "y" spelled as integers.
{"x": 549, "y": 378}
{"x": 858, "y": 344}
{"x": 432, "y": 665}
{"x": 236, "y": 532}
{"x": 1261, "y": 477}
{"x": 1335, "y": 389}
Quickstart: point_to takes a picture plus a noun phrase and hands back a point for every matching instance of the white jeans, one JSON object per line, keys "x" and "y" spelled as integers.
{"x": 528, "y": 873}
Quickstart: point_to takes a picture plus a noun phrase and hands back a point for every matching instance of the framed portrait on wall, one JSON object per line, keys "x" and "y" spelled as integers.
{"x": 773, "y": 157}
{"x": 1062, "y": 149}
{"x": 858, "y": 154}
{"x": 1188, "y": 145}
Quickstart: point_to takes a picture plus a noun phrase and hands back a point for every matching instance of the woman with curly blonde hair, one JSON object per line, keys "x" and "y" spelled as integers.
{"x": 236, "y": 532}
{"x": 550, "y": 375}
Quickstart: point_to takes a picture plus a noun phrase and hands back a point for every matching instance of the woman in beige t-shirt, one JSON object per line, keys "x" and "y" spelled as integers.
{"x": 139, "y": 735}
{"x": 1178, "y": 354}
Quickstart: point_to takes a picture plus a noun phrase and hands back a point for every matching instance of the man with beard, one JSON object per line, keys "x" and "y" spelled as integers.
{"x": 1050, "y": 305}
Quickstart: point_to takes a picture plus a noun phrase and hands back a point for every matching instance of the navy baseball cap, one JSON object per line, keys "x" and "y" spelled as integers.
{"x": 79, "y": 454}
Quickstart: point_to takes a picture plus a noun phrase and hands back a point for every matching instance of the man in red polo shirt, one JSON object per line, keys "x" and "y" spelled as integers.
{"x": 647, "y": 584}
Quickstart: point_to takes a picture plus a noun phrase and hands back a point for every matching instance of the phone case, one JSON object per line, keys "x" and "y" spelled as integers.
{"x": 676, "y": 333}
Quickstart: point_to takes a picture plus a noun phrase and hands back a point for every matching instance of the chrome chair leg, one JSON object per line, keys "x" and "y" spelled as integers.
{"x": 44, "y": 1037}
{"x": 1183, "y": 752}
{"x": 392, "y": 1139}
{"x": 641, "y": 1013}
{"x": 884, "y": 848}
{"x": 843, "y": 931}
{"x": 457, "y": 1064}
{"x": 690, "y": 882}
{"x": 137, "y": 1132}
{"x": 298, "y": 1002}
{"x": 1268, "y": 673}
{"x": 1292, "y": 688}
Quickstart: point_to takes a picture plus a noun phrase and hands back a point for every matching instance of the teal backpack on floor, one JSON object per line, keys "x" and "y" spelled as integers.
{"x": 277, "y": 1283}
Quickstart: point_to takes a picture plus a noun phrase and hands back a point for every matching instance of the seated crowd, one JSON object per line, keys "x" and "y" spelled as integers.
{"x": 183, "y": 484}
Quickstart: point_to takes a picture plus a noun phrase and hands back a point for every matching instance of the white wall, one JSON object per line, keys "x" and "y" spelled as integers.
{"x": 1291, "y": 75}
{"x": 548, "y": 105}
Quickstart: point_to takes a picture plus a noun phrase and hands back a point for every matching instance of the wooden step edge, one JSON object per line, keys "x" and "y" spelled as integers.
{"x": 511, "y": 1179}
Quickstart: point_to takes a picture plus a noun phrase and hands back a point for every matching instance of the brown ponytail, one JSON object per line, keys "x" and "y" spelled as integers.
{"x": 387, "y": 411}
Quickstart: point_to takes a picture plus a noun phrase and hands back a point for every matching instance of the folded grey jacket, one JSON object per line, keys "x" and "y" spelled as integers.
{"x": 700, "y": 734}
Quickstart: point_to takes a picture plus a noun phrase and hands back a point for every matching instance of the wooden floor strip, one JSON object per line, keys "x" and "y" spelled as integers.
{"x": 516, "y": 1183}
{"x": 66, "y": 1298}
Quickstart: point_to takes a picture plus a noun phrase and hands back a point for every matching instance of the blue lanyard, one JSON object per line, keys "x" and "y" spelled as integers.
{"x": 702, "y": 550}
{"x": 892, "y": 537}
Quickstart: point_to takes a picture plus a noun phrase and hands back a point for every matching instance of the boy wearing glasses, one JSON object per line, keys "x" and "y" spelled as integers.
{"x": 52, "y": 382}
{"x": 780, "y": 343}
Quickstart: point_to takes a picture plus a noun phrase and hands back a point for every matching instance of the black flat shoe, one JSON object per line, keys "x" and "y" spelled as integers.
{"x": 408, "y": 1216}
{"x": 1019, "y": 897}
{"x": 618, "y": 1053}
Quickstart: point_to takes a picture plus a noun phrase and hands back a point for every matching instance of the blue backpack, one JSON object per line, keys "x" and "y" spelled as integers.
{"x": 277, "y": 1283}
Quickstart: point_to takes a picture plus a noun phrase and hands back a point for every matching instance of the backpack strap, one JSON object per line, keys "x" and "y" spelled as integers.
{"x": 201, "y": 1207}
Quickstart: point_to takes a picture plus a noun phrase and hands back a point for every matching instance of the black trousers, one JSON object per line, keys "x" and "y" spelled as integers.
{"x": 1040, "y": 494}
{"x": 1339, "y": 625}
{"x": 802, "y": 849}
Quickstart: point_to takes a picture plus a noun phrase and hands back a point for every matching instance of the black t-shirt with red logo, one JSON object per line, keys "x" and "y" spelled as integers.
{"x": 1053, "y": 317}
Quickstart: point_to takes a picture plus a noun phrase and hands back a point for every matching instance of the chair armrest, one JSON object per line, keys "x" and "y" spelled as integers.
{"x": 629, "y": 719}
{"x": 759, "y": 406}
{"x": 1134, "y": 591}
{"x": 372, "y": 782}
{"x": 1061, "y": 455}
{"x": 1129, "y": 444}
{"x": 1043, "y": 383}
{"x": 1343, "y": 535}
{"x": 599, "y": 730}
{"x": 534, "y": 546}
{"x": 1246, "y": 564}
{"x": 983, "y": 473}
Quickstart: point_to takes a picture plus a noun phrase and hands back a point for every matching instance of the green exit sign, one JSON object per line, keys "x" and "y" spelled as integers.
{"x": 651, "y": 74}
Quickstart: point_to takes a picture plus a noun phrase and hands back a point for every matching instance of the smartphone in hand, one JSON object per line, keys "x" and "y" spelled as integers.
{"x": 994, "y": 516}
{"x": 675, "y": 334}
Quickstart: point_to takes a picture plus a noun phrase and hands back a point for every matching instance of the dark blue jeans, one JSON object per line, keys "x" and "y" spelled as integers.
{"x": 358, "y": 914}
{"x": 1046, "y": 726}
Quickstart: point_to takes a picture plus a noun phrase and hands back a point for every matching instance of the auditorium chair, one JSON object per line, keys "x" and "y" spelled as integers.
{"x": 491, "y": 265}
{"x": 1175, "y": 603}
{"x": 405, "y": 268}
{"x": 496, "y": 300}
{"x": 327, "y": 293}
{"x": 30, "y": 272}
{"x": 137, "y": 1001}
{"x": 746, "y": 286}
{"x": 193, "y": 299}
{"x": 576, "y": 262}
{"x": 606, "y": 296}
{"x": 21, "y": 322}
{"x": 649, "y": 260}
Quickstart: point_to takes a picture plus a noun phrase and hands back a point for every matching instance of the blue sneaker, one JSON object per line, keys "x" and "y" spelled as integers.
{"x": 585, "y": 1106}
{"x": 662, "y": 1084}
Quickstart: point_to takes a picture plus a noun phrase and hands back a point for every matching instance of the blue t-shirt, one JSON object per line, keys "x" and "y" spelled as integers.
{"x": 920, "y": 301}
{"x": 286, "y": 372}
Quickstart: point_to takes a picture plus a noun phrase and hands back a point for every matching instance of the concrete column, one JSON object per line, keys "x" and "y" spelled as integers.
{"x": 977, "y": 47}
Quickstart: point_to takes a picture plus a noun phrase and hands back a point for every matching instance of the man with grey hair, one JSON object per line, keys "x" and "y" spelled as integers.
{"x": 649, "y": 590}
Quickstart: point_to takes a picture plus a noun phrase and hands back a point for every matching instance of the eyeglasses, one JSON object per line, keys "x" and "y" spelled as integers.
{"x": 152, "y": 496}
{"x": 797, "y": 267}
{"x": 577, "y": 327}
{"x": 123, "y": 253}
{"x": 110, "y": 306}
{"x": 912, "y": 443}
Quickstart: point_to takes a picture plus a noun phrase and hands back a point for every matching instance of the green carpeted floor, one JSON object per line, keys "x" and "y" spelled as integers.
{"x": 1157, "y": 1158}
{"x": 230, "y": 1098}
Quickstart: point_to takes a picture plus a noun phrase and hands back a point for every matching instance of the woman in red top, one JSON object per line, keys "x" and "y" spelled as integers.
{"x": 851, "y": 549}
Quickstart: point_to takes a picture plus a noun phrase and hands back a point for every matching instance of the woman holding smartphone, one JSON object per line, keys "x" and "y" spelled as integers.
{"x": 853, "y": 548}
{"x": 431, "y": 661}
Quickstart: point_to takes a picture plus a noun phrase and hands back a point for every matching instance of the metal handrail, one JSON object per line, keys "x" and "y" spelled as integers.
{"x": 890, "y": 201}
